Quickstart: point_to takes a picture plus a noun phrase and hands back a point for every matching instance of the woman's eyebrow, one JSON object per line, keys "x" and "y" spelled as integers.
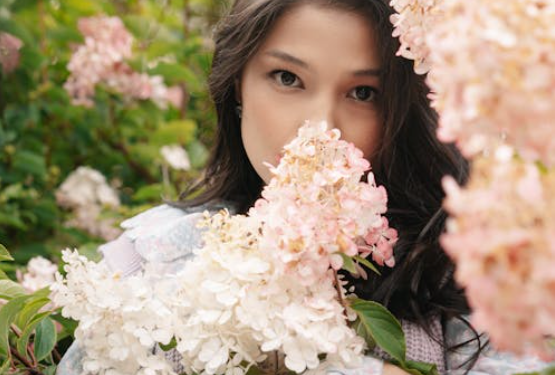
{"x": 287, "y": 57}
{"x": 295, "y": 60}
{"x": 367, "y": 72}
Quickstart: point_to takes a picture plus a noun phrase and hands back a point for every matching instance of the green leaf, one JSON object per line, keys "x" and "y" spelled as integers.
{"x": 33, "y": 305}
{"x": 45, "y": 338}
{"x": 5, "y": 366}
{"x": 358, "y": 326}
{"x": 82, "y": 6}
{"x": 367, "y": 263}
{"x": 149, "y": 192}
{"x": 179, "y": 131}
{"x": 198, "y": 154}
{"x": 15, "y": 191}
{"x": 64, "y": 34}
{"x": 10, "y": 289}
{"x": 90, "y": 251}
{"x": 382, "y": 326}
{"x": 145, "y": 152}
{"x": 4, "y": 254}
{"x": 253, "y": 370}
{"x": 176, "y": 73}
{"x": 30, "y": 250}
{"x": 12, "y": 221}
{"x": 68, "y": 325}
{"x": 420, "y": 368}
{"x": 348, "y": 263}
{"x": 3, "y": 275}
{"x": 30, "y": 162}
{"x": 547, "y": 371}
{"x": 7, "y": 315}
{"x": 140, "y": 26}
{"x": 28, "y": 331}
{"x": 172, "y": 344}
{"x": 163, "y": 48}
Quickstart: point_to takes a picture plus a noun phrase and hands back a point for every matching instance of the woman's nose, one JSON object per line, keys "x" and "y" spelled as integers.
{"x": 324, "y": 108}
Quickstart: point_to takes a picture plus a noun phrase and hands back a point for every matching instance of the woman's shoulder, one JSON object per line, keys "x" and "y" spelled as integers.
{"x": 162, "y": 234}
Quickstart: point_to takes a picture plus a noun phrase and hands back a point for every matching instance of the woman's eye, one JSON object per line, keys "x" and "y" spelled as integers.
{"x": 363, "y": 94}
{"x": 285, "y": 78}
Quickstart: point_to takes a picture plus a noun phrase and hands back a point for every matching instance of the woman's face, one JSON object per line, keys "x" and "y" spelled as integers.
{"x": 316, "y": 64}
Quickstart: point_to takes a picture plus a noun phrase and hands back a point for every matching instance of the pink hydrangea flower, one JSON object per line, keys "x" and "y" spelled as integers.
{"x": 9, "y": 52}
{"x": 101, "y": 60}
{"x": 316, "y": 206}
{"x": 502, "y": 238}
{"x": 412, "y": 22}
{"x": 490, "y": 70}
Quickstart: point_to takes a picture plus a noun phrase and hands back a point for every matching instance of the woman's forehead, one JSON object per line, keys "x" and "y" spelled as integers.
{"x": 314, "y": 34}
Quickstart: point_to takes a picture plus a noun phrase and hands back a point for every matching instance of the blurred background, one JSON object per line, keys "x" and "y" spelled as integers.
{"x": 104, "y": 112}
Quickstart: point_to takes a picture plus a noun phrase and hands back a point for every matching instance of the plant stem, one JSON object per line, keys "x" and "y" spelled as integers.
{"x": 145, "y": 173}
{"x": 340, "y": 296}
{"x": 120, "y": 146}
{"x": 25, "y": 362}
{"x": 42, "y": 41}
{"x": 2, "y": 102}
{"x": 185, "y": 18}
{"x": 57, "y": 356}
{"x": 15, "y": 330}
{"x": 31, "y": 353}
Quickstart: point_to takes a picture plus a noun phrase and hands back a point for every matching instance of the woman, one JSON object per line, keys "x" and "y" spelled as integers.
{"x": 277, "y": 64}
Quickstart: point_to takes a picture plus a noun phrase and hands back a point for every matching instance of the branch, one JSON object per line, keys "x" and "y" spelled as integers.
{"x": 57, "y": 356}
{"x": 25, "y": 362}
{"x": 185, "y": 18}
{"x": 140, "y": 169}
{"x": 340, "y": 296}
{"x": 120, "y": 146}
{"x": 15, "y": 330}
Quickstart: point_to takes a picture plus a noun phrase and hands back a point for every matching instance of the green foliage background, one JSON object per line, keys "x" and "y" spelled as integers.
{"x": 43, "y": 137}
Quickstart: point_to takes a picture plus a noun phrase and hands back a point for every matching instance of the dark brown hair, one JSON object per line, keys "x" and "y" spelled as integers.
{"x": 410, "y": 162}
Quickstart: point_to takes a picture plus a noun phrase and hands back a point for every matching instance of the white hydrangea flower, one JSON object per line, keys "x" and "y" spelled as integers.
{"x": 120, "y": 319}
{"x": 260, "y": 284}
{"x": 40, "y": 274}
{"x": 86, "y": 187}
{"x": 176, "y": 157}
{"x": 85, "y": 191}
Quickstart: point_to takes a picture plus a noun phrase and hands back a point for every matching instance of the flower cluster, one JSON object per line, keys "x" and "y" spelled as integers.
{"x": 412, "y": 22}
{"x": 484, "y": 59}
{"x": 120, "y": 318}
{"x": 487, "y": 58}
{"x": 502, "y": 237}
{"x": 85, "y": 191}
{"x": 9, "y": 52}
{"x": 101, "y": 60}
{"x": 262, "y": 285}
{"x": 40, "y": 274}
{"x": 315, "y": 209}
{"x": 245, "y": 308}
{"x": 176, "y": 157}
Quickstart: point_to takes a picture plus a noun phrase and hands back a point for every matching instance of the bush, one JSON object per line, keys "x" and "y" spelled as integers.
{"x": 45, "y": 136}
